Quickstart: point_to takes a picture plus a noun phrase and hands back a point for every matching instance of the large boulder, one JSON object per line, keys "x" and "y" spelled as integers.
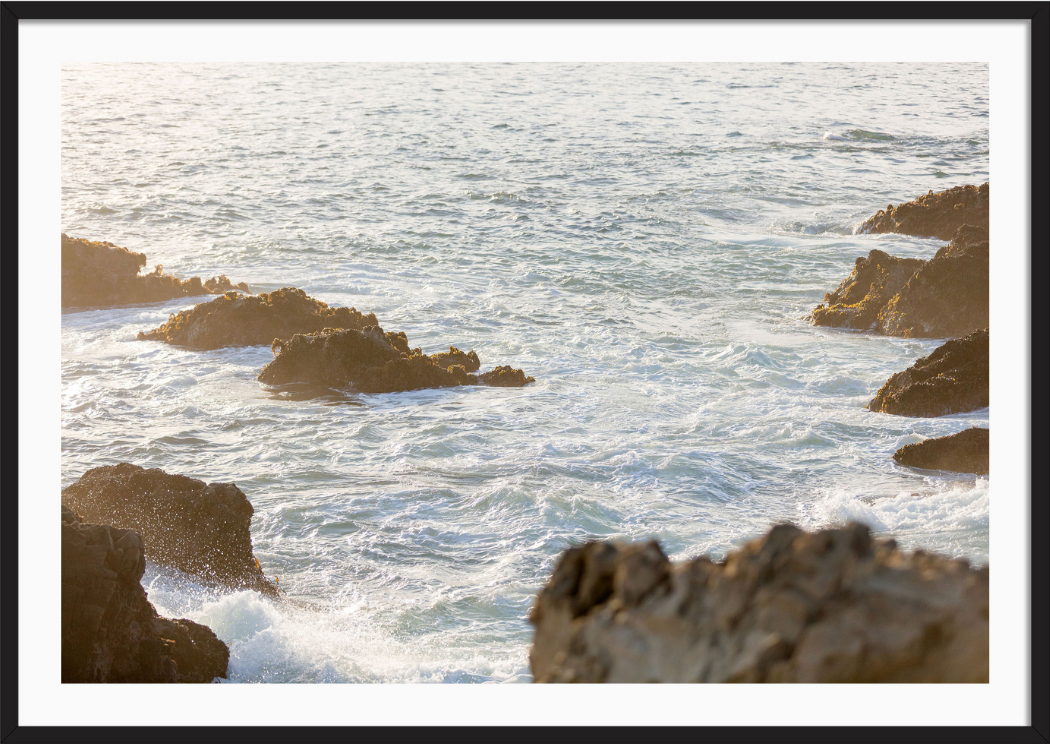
{"x": 792, "y": 606}
{"x": 965, "y": 452}
{"x": 933, "y": 215}
{"x": 860, "y": 297}
{"x": 199, "y": 528}
{"x": 952, "y": 379}
{"x": 374, "y": 361}
{"x": 944, "y": 297}
{"x": 234, "y": 320}
{"x": 110, "y": 631}
{"x": 948, "y": 296}
{"x": 96, "y": 273}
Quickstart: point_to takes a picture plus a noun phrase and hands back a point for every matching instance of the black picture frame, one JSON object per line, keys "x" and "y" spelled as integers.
{"x": 11, "y": 13}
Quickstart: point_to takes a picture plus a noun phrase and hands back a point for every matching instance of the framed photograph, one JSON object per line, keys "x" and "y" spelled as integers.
{"x": 403, "y": 371}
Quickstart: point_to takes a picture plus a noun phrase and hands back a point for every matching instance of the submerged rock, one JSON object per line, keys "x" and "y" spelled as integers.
{"x": 933, "y": 215}
{"x": 374, "y": 361}
{"x": 953, "y": 379}
{"x": 233, "y": 320}
{"x": 860, "y": 297}
{"x": 965, "y": 452}
{"x": 110, "y": 630}
{"x": 944, "y": 297}
{"x": 202, "y": 529}
{"x": 792, "y": 606}
{"x": 96, "y": 273}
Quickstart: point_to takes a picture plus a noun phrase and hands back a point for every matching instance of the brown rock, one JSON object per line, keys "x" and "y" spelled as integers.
{"x": 374, "y": 361}
{"x": 948, "y": 296}
{"x": 202, "y": 529}
{"x": 97, "y": 273}
{"x": 792, "y": 606}
{"x": 110, "y": 631}
{"x": 965, "y": 452}
{"x": 859, "y": 298}
{"x": 953, "y": 379}
{"x": 944, "y": 297}
{"x": 933, "y": 215}
{"x": 234, "y": 320}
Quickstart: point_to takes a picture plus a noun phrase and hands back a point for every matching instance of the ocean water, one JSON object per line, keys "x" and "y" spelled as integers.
{"x": 646, "y": 240}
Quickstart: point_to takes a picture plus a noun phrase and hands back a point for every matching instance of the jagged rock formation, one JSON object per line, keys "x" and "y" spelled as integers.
{"x": 792, "y": 606}
{"x": 233, "y": 320}
{"x": 202, "y": 529}
{"x": 944, "y": 297}
{"x": 953, "y": 379}
{"x": 933, "y": 215}
{"x": 454, "y": 356}
{"x": 860, "y": 297}
{"x": 110, "y": 631}
{"x": 374, "y": 361}
{"x": 96, "y": 273}
{"x": 965, "y": 452}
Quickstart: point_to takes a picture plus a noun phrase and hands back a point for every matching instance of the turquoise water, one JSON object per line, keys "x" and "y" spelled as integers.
{"x": 645, "y": 240}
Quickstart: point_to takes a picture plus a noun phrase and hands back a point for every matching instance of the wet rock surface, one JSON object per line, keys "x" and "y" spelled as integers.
{"x": 199, "y": 528}
{"x": 944, "y": 297}
{"x": 375, "y": 361}
{"x": 110, "y": 631}
{"x": 235, "y": 320}
{"x": 96, "y": 273}
{"x": 860, "y": 297}
{"x": 952, "y": 379}
{"x": 792, "y": 606}
{"x": 933, "y": 215}
{"x": 965, "y": 452}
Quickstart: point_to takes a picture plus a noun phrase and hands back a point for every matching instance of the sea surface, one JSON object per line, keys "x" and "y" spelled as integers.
{"x": 646, "y": 240}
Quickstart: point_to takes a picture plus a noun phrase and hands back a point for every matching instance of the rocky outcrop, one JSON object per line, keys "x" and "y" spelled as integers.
{"x": 944, "y": 297}
{"x": 374, "y": 361}
{"x": 933, "y": 215}
{"x": 953, "y": 379}
{"x": 965, "y": 452}
{"x": 202, "y": 529}
{"x": 792, "y": 606}
{"x": 110, "y": 631}
{"x": 96, "y": 273}
{"x": 861, "y": 296}
{"x": 233, "y": 320}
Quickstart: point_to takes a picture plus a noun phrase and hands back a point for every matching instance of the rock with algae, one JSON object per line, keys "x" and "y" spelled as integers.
{"x": 933, "y": 215}
{"x": 964, "y": 452}
{"x": 372, "y": 360}
{"x": 110, "y": 630}
{"x": 96, "y": 273}
{"x": 235, "y": 320}
{"x": 944, "y": 297}
{"x": 952, "y": 379}
{"x": 792, "y": 606}
{"x": 199, "y": 528}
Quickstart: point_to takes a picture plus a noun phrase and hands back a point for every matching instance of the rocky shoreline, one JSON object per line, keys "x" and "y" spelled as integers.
{"x": 110, "y": 630}
{"x": 97, "y": 274}
{"x": 963, "y": 452}
{"x": 829, "y": 606}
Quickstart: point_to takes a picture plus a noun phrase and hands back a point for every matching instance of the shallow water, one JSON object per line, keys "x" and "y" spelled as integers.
{"x": 645, "y": 240}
